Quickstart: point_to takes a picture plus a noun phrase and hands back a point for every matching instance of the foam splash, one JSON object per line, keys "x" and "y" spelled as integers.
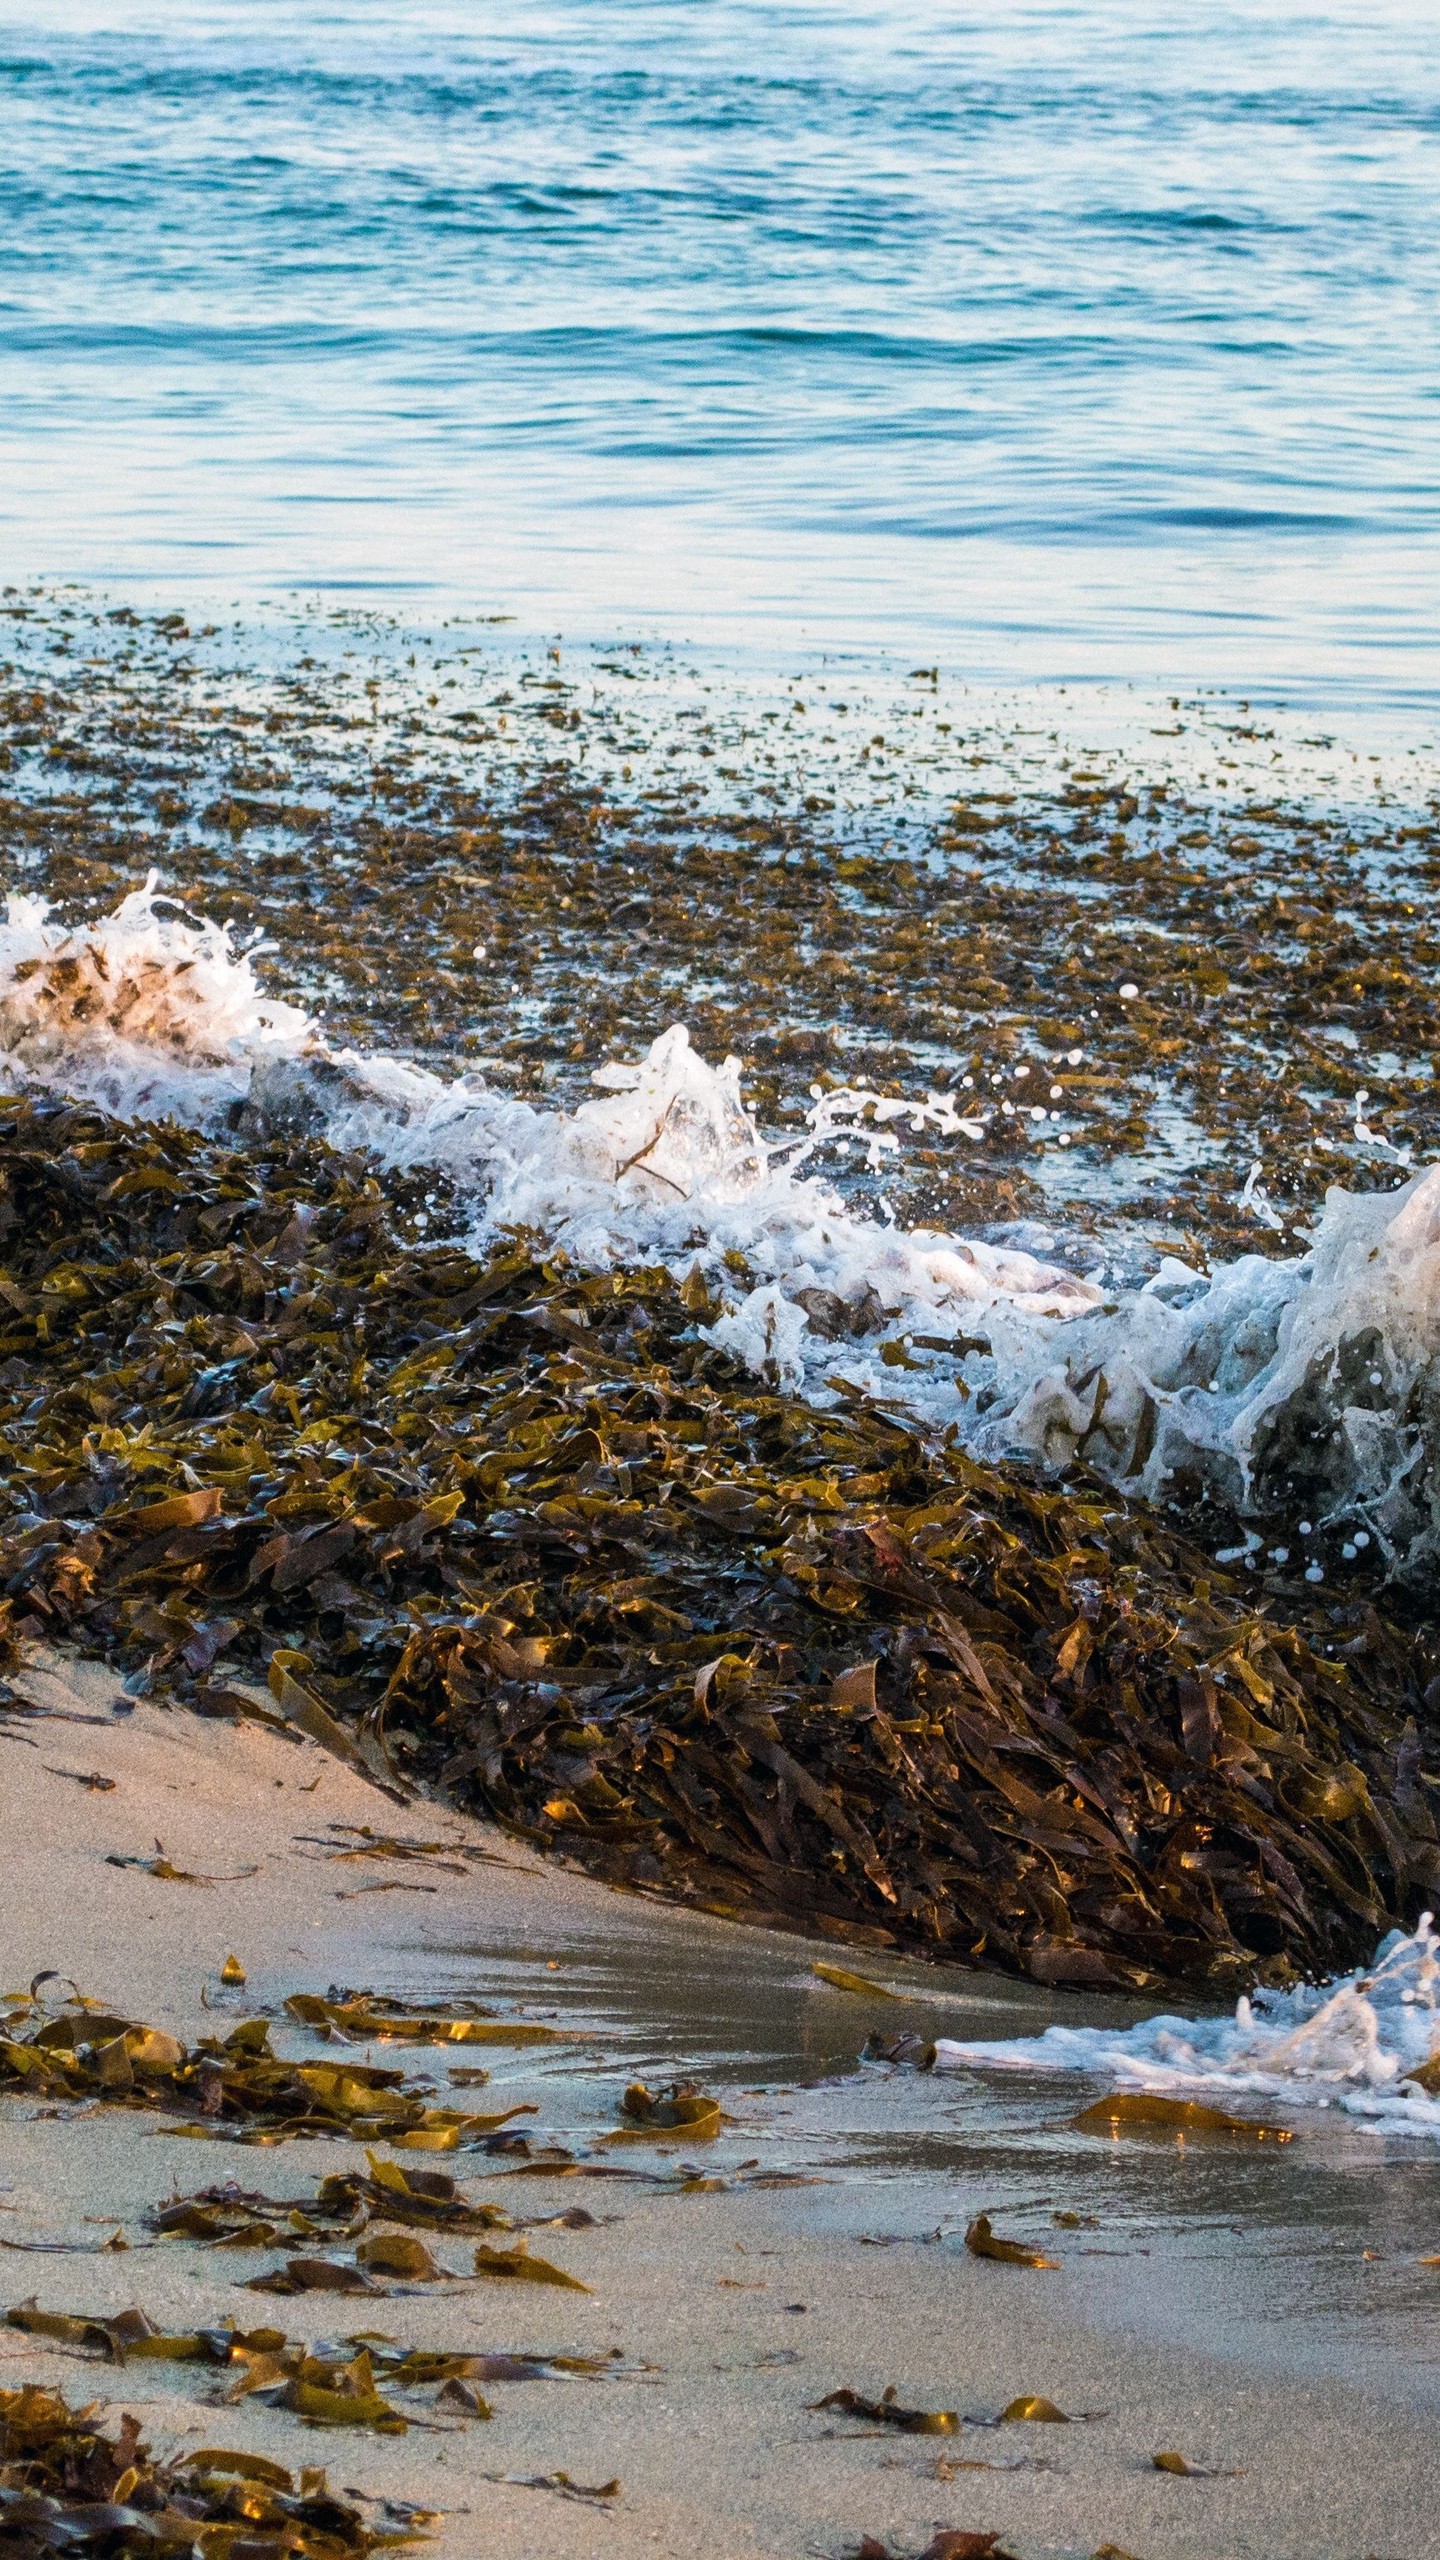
{"x": 1302, "y": 1389}
{"x": 1349, "y": 2044}
{"x": 141, "y": 1010}
{"x": 145, "y": 1012}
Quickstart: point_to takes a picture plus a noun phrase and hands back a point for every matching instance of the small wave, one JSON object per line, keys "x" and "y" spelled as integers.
{"x": 1299, "y": 1391}
{"x": 140, "y": 1011}
{"x": 1351, "y": 2043}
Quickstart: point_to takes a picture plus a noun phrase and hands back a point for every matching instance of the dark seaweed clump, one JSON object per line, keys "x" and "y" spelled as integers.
{"x": 521, "y": 1536}
{"x": 68, "y": 2484}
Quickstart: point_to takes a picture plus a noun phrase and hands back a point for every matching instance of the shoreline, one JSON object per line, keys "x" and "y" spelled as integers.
{"x": 488, "y": 1520}
{"x": 715, "y": 2449}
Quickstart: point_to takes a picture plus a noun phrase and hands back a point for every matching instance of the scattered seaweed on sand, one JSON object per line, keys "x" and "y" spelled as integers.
{"x": 683, "y": 2109}
{"x": 131, "y": 2336}
{"x": 363, "y": 2017}
{"x": 231, "y": 2087}
{"x": 983, "y": 2242}
{"x": 952, "y": 2542}
{"x": 887, "y": 2411}
{"x": 329, "y": 2383}
{"x": 505, "y": 1531}
{"x": 346, "y": 2203}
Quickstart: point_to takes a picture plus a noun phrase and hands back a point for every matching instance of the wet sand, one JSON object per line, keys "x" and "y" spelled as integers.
{"x": 1325, "y": 2418}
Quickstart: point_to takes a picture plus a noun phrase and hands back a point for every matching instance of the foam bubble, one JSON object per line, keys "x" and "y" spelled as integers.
{"x": 1304, "y": 1387}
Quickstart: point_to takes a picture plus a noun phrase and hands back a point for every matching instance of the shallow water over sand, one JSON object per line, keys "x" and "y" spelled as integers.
{"x": 1251, "y": 2250}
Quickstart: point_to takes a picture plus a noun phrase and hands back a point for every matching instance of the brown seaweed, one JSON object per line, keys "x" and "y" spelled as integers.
{"x": 231, "y": 2087}
{"x": 1139, "y": 2110}
{"x": 887, "y": 2411}
{"x": 983, "y": 2242}
{"x": 67, "y": 2484}
{"x": 458, "y": 1518}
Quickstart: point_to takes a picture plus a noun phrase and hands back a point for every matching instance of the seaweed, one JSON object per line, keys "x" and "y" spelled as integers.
{"x": 67, "y": 2483}
{"x": 498, "y": 1529}
{"x": 529, "y": 865}
{"x": 887, "y": 2412}
{"x": 232, "y": 2087}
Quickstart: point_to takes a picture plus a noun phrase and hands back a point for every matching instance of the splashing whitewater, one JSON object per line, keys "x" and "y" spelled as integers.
{"x": 1291, "y": 1388}
{"x": 1351, "y": 2043}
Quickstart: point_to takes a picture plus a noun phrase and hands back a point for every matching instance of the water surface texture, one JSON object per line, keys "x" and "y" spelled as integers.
{"x": 1051, "y": 340}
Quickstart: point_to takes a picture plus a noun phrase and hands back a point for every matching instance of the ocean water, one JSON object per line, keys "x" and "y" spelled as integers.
{"x": 1073, "y": 339}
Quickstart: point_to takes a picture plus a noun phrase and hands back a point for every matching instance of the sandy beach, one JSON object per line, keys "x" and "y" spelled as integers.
{"x": 733, "y": 2310}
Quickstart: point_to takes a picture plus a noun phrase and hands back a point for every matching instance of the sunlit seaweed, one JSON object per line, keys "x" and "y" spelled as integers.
{"x": 523, "y": 1535}
{"x": 68, "y": 2483}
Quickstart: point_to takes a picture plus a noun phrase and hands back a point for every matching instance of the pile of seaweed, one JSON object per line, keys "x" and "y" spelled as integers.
{"x": 235, "y": 2083}
{"x": 68, "y": 2484}
{"x": 520, "y": 1535}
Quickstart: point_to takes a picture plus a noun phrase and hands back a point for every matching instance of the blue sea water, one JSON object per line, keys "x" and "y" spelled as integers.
{"x": 1068, "y": 338}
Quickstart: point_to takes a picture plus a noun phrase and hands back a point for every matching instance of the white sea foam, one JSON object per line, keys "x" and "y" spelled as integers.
{"x": 1295, "y": 1389}
{"x": 149, "y": 1014}
{"x": 141, "y": 1010}
{"x": 1347, "y": 2044}
{"x": 1303, "y": 1388}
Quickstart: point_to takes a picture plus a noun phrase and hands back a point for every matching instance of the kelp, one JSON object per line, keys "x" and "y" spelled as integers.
{"x": 684, "y": 2109}
{"x": 511, "y": 1532}
{"x": 324, "y": 2389}
{"x": 1143, "y": 2111}
{"x": 949, "y": 2542}
{"x": 887, "y": 2411}
{"x": 983, "y": 2241}
{"x": 1180, "y": 2467}
{"x": 274, "y": 2369}
{"x": 130, "y": 2335}
{"x": 315, "y": 2275}
{"x": 840, "y": 1979}
{"x": 335, "y": 2385}
{"x": 516, "y": 2265}
{"x": 231, "y": 2088}
{"x": 601, "y": 2494}
{"x": 386, "y": 2202}
{"x": 69, "y": 2483}
{"x": 166, "y": 1872}
{"x": 363, "y": 2017}
{"x": 233, "y": 2217}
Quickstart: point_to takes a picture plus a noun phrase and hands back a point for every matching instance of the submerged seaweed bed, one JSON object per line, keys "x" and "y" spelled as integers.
{"x": 524, "y": 862}
{"x": 519, "y": 1533}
